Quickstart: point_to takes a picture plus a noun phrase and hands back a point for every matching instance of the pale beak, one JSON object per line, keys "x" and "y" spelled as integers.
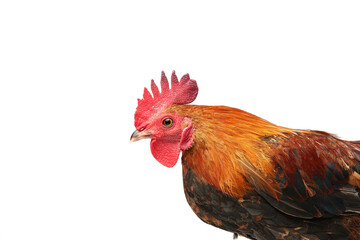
{"x": 136, "y": 136}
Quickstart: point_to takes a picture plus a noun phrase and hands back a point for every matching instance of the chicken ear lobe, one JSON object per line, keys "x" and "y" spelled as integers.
{"x": 165, "y": 152}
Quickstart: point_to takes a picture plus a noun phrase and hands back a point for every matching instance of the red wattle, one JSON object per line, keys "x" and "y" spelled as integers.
{"x": 165, "y": 152}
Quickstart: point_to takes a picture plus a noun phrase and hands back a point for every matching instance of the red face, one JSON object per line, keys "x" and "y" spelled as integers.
{"x": 169, "y": 133}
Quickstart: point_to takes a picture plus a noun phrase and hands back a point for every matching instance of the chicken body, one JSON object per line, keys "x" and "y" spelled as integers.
{"x": 253, "y": 178}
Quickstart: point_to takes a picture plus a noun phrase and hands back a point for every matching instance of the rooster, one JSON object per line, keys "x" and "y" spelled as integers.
{"x": 248, "y": 176}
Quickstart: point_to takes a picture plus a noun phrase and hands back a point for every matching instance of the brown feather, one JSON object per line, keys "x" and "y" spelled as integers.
{"x": 242, "y": 170}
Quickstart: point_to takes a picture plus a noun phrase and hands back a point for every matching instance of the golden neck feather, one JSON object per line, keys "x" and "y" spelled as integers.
{"x": 227, "y": 147}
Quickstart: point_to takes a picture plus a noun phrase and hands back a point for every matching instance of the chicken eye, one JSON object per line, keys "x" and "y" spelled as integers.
{"x": 167, "y": 122}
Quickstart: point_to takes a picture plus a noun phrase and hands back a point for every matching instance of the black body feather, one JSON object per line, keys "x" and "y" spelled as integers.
{"x": 255, "y": 218}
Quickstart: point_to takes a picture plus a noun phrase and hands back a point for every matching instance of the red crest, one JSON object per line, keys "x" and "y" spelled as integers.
{"x": 182, "y": 92}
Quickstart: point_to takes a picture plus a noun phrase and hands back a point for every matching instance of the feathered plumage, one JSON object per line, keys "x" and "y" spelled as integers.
{"x": 256, "y": 179}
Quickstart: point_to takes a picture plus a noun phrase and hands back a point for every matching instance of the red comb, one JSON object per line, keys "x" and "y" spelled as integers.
{"x": 182, "y": 92}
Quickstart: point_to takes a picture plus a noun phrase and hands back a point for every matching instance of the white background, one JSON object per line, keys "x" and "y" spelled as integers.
{"x": 70, "y": 74}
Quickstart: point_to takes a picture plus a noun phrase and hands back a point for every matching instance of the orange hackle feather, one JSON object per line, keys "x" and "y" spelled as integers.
{"x": 226, "y": 148}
